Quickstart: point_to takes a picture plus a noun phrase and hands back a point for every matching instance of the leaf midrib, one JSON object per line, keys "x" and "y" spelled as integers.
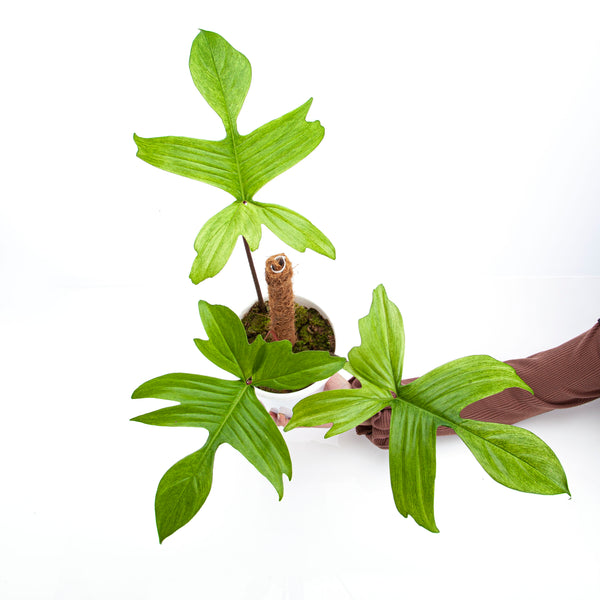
{"x": 505, "y": 451}
{"x": 231, "y": 131}
{"x": 440, "y": 419}
{"x": 214, "y": 435}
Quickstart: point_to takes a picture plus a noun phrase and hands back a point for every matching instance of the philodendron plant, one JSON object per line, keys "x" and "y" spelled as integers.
{"x": 228, "y": 409}
{"x": 511, "y": 455}
{"x": 239, "y": 164}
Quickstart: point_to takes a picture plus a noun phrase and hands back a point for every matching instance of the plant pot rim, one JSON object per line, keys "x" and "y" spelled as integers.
{"x": 285, "y": 401}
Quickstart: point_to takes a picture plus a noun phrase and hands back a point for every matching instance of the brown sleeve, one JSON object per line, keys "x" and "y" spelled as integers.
{"x": 565, "y": 376}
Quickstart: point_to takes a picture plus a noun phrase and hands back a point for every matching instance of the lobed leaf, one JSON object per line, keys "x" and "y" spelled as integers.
{"x": 232, "y": 414}
{"x": 512, "y": 456}
{"x": 238, "y": 164}
{"x": 202, "y": 401}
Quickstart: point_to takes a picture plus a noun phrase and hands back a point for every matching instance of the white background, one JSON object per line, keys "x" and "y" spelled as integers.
{"x": 460, "y": 168}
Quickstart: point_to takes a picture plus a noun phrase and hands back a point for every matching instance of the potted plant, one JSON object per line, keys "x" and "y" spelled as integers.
{"x": 240, "y": 165}
{"x": 230, "y": 409}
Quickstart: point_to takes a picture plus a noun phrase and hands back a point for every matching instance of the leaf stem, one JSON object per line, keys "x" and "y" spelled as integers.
{"x": 261, "y": 302}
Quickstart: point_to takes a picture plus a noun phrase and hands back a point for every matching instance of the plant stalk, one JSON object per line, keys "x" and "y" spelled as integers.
{"x": 261, "y": 302}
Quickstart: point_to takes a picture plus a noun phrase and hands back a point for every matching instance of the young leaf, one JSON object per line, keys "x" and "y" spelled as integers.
{"x": 238, "y": 164}
{"x": 380, "y": 356}
{"x": 512, "y": 456}
{"x": 232, "y": 414}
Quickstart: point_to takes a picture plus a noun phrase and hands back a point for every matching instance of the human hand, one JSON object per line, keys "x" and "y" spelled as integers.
{"x": 335, "y": 382}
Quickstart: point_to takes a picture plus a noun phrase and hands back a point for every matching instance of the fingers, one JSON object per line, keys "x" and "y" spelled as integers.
{"x": 337, "y": 382}
{"x": 280, "y": 419}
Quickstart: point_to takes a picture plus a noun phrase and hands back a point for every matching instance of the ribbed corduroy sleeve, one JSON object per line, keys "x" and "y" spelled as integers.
{"x": 562, "y": 377}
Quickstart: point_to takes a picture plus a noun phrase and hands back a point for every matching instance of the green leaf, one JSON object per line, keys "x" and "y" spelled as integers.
{"x": 227, "y": 345}
{"x": 238, "y": 164}
{"x": 228, "y": 410}
{"x": 380, "y": 356}
{"x": 216, "y": 240}
{"x": 186, "y": 390}
{"x": 276, "y": 366}
{"x": 232, "y": 414}
{"x": 345, "y": 408}
{"x": 275, "y": 147}
{"x": 295, "y": 230}
{"x": 182, "y": 491}
{"x": 412, "y": 462}
{"x": 221, "y": 74}
{"x": 449, "y": 388}
{"x": 203, "y": 160}
{"x": 514, "y": 457}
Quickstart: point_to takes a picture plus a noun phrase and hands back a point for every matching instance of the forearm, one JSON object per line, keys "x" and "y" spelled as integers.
{"x": 562, "y": 377}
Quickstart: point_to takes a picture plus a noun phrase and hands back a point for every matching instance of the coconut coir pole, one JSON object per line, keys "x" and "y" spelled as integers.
{"x": 278, "y": 273}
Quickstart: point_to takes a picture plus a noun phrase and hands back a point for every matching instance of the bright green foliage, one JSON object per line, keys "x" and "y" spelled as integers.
{"x": 229, "y": 410}
{"x": 238, "y": 164}
{"x": 512, "y": 456}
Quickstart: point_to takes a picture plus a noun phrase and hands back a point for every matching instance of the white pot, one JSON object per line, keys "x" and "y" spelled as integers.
{"x": 285, "y": 402}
